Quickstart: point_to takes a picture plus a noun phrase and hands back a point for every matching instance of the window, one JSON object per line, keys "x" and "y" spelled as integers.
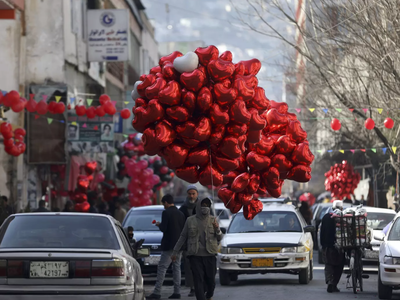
{"x": 394, "y": 234}
{"x": 142, "y": 220}
{"x": 124, "y": 240}
{"x": 378, "y": 221}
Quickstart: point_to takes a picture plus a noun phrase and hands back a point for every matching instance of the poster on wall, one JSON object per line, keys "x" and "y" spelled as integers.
{"x": 34, "y": 188}
{"x": 108, "y": 34}
{"x": 90, "y": 135}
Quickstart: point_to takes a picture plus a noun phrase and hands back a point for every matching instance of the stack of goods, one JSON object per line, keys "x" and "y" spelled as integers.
{"x": 351, "y": 228}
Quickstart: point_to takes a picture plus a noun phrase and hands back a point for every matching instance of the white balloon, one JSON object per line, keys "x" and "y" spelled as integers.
{"x": 134, "y": 93}
{"x": 187, "y": 63}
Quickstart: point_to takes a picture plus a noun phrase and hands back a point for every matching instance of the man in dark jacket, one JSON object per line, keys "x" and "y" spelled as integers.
{"x": 42, "y": 207}
{"x": 172, "y": 223}
{"x": 334, "y": 258}
{"x": 189, "y": 209}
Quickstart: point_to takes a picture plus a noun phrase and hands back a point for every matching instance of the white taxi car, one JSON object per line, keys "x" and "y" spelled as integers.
{"x": 277, "y": 240}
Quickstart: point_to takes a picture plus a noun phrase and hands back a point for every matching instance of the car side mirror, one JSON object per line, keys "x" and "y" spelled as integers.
{"x": 144, "y": 252}
{"x": 223, "y": 230}
{"x": 379, "y": 236}
{"x": 309, "y": 228}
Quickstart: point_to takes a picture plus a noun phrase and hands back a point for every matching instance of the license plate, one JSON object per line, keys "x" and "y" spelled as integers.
{"x": 152, "y": 260}
{"x": 262, "y": 262}
{"x": 49, "y": 269}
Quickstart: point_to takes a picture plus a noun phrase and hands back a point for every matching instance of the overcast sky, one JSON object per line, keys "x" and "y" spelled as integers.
{"x": 216, "y": 23}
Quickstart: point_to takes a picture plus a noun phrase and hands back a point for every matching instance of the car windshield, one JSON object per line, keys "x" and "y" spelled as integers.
{"x": 222, "y": 213}
{"x": 62, "y": 231}
{"x": 266, "y": 221}
{"x": 142, "y": 220}
{"x": 378, "y": 221}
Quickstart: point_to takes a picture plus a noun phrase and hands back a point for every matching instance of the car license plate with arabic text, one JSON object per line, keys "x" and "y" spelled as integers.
{"x": 152, "y": 260}
{"x": 49, "y": 269}
{"x": 262, "y": 262}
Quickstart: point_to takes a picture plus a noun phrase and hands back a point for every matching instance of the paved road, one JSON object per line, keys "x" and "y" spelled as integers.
{"x": 282, "y": 287}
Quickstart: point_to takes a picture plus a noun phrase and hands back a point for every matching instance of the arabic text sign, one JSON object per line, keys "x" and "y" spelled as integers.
{"x": 108, "y": 34}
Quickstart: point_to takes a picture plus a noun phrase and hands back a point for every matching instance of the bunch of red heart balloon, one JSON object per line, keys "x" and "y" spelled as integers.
{"x": 83, "y": 185}
{"x": 13, "y": 140}
{"x": 212, "y": 123}
{"x": 142, "y": 182}
{"x": 341, "y": 180}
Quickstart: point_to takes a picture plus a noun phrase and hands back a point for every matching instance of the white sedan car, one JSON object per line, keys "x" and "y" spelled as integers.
{"x": 277, "y": 240}
{"x": 67, "y": 256}
{"x": 389, "y": 260}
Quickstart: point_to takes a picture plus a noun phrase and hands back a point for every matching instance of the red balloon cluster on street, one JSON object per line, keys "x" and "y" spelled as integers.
{"x": 214, "y": 125}
{"x": 341, "y": 180}
{"x": 13, "y": 140}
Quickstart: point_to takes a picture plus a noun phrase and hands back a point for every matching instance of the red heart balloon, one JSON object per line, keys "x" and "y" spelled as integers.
{"x": 155, "y": 70}
{"x": 79, "y": 197}
{"x": 281, "y": 107}
{"x": 224, "y": 94}
{"x": 239, "y": 112}
{"x": 234, "y": 206}
{"x": 227, "y": 55}
{"x": 204, "y": 99}
{"x": 202, "y": 131}
{"x": 230, "y": 147}
{"x": 82, "y": 207}
{"x": 198, "y": 156}
{"x": 236, "y": 129}
{"x": 256, "y": 122}
{"x": 276, "y": 121}
{"x": 252, "y": 208}
{"x": 295, "y": 132}
{"x": 178, "y": 113}
{"x": 254, "y": 137}
{"x": 254, "y": 184}
{"x": 240, "y": 183}
{"x": 169, "y": 73}
{"x": 190, "y": 142}
{"x": 193, "y": 81}
{"x": 217, "y": 134}
{"x": 205, "y": 176}
{"x": 285, "y": 145}
{"x": 175, "y": 155}
{"x": 140, "y": 102}
{"x": 271, "y": 178}
{"x": 251, "y": 67}
{"x": 150, "y": 142}
{"x": 245, "y": 93}
{"x": 275, "y": 192}
{"x": 250, "y": 80}
{"x": 147, "y": 81}
{"x": 145, "y": 116}
{"x": 259, "y": 101}
{"x": 170, "y": 57}
{"x": 188, "y": 173}
{"x": 244, "y": 198}
{"x": 206, "y": 54}
{"x": 225, "y": 165}
{"x": 220, "y": 69}
{"x": 170, "y": 94}
{"x": 186, "y": 130}
{"x": 164, "y": 134}
{"x": 8, "y": 142}
{"x": 265, "y": 146}
{"x": 257, "y": 162}
{"x": 219, "y": 116}
{"x": 152, "y": 91}
{"x": 302, "y": 155}
{"x": 91, "y": 112}
{"x": 226, "y": 195}
{"x": 228, "y": 178}
{"x": 189, "y": 100}
{"x": 90, "y": 167}
{"x": 83, "y": 182}
{"x": 300, "y": 174}
{"x": 280, "y": 162}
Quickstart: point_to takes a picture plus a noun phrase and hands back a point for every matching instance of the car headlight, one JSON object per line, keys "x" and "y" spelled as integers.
{"x": 301, "y": 249}
{"x": 289, "y": 250}
{"x": 388, "y": 260}
{"x": 226, "y": 250}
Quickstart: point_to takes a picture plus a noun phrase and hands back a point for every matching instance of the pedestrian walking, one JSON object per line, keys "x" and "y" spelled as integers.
{"x": 306, "y": 212}
{"x": 202, "y": 234}
{"x": 69, "y": 206}
{"x": 188, "y": 208}
{"x": 42, "y": 207}
{"x": 172, "y": 223}
{"x": 119, "y": 212}
{"x": 334, "y": 258}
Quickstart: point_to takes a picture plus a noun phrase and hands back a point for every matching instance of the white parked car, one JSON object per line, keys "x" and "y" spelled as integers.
{"x": 224, "y": 215}
{"x": 277, "y": 240}
{"x": 389, "y": 260}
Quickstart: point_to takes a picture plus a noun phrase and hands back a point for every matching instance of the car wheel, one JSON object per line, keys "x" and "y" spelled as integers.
{"x": 304, "y": 275}
{"x": 233, "y": 276}
{"x": 224, "y": 277}
{"x": 384, "y": 291}
{"x": 320, "y": 257}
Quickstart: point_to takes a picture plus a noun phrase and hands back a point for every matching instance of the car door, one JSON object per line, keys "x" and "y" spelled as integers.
{"x": 308, "y": 241}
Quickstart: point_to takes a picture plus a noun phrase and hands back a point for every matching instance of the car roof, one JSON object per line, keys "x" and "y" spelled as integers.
{"x": 277, "y": 207}
{"x": 148, "y": 207}
{"x": 65, "y": 214}
{"x": 379, "y": 210}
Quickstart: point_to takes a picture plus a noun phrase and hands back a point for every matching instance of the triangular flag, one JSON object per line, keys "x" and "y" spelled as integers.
{"x": 338, "y": 109}
{"x": 394, "y": 149}
{"x": 373, "y": 150}
{"x": 37, "y": 117}
{"x": 311, "y": 109}
{"x": 325, "y": 110}
{"x": 365, "y": 110}
{"x": 49, "y": 120}
{"x": 351, "y": 109}
{"x": 84, "y": 125}
{"x": 89, "y": 101}
{"x": 362, "y": 150}
{"x": 384, "y": 150}
{"x": 44, "y": 98}
{"x": 74, "y": 123}
{"x": 62, "y": 121}
{"x": 352, "y": 150}
{"x": 341, "y": 151}
{"x": 4, "y": 93}
{"x": 380, "y": 110}
{"x": 72, "y": 100}
{"x": 58, "y": 98}
{"x": 329, "y": 151}
{"x": 298, "y": 110}
{"x": 125, "y": 135}
{"x": 114, "y": 102}
{"x": 96, "y": 127}
{"x": 126, "y": 102}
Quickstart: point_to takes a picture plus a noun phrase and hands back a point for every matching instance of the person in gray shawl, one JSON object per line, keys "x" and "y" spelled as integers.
{"x": 201, "y": 234}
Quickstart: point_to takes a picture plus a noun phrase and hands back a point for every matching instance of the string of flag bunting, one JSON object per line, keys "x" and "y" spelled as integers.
{"x": 374, "y": 150}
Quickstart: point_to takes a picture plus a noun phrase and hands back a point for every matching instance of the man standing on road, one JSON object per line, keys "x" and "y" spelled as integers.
{"x": 172, "y": 223}
{"x": 334, "y": 258}
{"x": 202, "y": 234}
{"x": 188, "y": 209}
{"x": 42, "y": 207}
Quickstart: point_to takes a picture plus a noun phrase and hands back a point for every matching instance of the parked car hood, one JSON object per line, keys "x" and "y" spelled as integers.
{"x": 150, "y": 237}
{"x": 262, "y": 239}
